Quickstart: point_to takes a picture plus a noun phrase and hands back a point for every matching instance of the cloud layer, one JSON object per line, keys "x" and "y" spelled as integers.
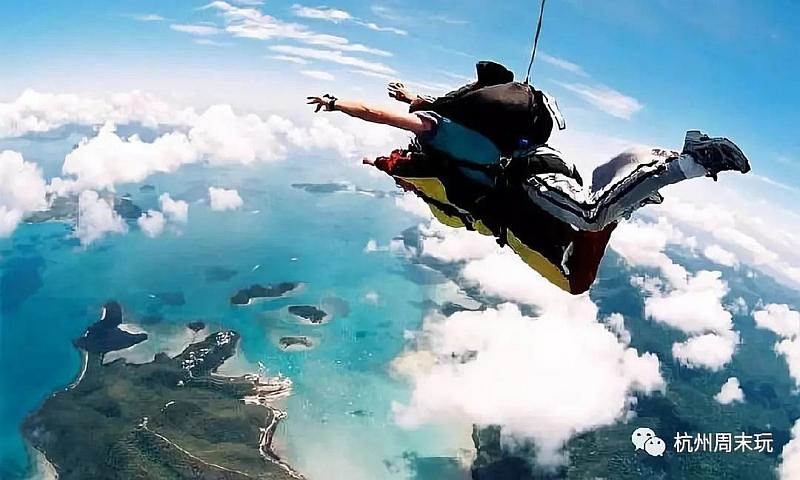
{"x": 543, "y": 378}
{"x": 97, "y": 218}
{"x": 152, "y": 223}
{"x": 730, "y": 392}
{"x": 221, "y": 199}
{"x": 22, "y": 190}
{"x": 784, "y": 322}
{"x": 176, "y": 210}
{"x": 218, "y": 136}
{"x": 691, "y": 303}
{"x": 34, "y": 112}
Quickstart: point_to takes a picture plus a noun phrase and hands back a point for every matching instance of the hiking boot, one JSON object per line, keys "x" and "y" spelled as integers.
{"x": 715, "y": 154}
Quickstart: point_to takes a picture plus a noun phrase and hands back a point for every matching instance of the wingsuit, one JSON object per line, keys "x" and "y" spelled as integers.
{"x": 519, "y": 190}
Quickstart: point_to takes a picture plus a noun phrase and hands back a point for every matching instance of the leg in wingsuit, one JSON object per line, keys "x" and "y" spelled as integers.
{"x": 480, "y": 160}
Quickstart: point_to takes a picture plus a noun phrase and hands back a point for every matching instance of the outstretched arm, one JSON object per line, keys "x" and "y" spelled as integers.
{"x": 372, "y": 113}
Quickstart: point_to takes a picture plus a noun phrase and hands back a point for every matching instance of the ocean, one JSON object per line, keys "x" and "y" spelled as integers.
{"x": 340, "y": 414}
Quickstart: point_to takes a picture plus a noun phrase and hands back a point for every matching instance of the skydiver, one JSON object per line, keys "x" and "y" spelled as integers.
{"x": 619, "y": 186}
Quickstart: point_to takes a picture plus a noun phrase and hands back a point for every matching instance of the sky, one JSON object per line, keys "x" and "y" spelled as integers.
{"x": 225, "y": 83}
{"x": 630, "y": 69}
{"x": 625, "y": 72}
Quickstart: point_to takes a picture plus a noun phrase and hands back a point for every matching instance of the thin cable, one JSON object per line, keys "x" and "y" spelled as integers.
{"x": 535, "y": 42}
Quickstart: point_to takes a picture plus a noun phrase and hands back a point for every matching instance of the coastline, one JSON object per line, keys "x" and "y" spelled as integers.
{"x": 255, "y": 389}
{"x": 254, "y": 300}
{"x": 267, "y": 392}
{"x": 81, "y": 374}
{"x": 41, "y": 467}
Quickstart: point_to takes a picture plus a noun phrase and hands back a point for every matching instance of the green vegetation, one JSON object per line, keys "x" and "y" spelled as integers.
{"x": 245, "y": 295}
{"x": 308, "y": 312}
{"x": 172, "y": 418}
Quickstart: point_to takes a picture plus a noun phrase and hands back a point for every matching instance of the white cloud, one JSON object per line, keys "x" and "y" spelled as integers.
{"x": 9, "y": 220}
{"x": 333, "y": 56}
{"x": 378, "y": 28}
{"x": 22, "y": 190}
{"x": 643, "y": 244}
{"x": 775, "y": 183}
{"x": 790, "y": 349}
{"x": 208, "y": 41}
{"x": 318, "y": 74}
{"x": 152, "y": 223}
{"x": 606, "y": 99}
{"x": 778, "y": 318}
{"x": 33, "y": 111}
{"x": 785, "y": 322}
{"x": 222, "y": 137}
{"x": 96, "y": 218}
{"x": 446, "y": 19}
{"x": 738, "y": 307}
{"x": 196, "y": 29}
{"x": 175, "y": 210}
{"x": 289, "y": 58}
{"x": 691, "y": 303}
{"x": 692, "y": 307}
{"x": 221, "y": 199}
{"x": 457, "y": 76}
{"x": 719, "y": 255}
{"x": 148, "y": 17}
{"x": 502, "y": 274}
{"x": 321, "y": 13}
{"x": 722, "y": 223}
{"x": 217, "y": 136}
{"x": 545, "y": 378}
{"x": 251, "y": 23}
{"x": 349, "y": 137}
{"x": 367, "y": 73}
{"x": 337, "y": 16}
{"x": 755, "y": 227}
{"x": 413, "y": 204}
{"x": 562, "y": 64}
{"x": 789, "y": 468}
{"x": 449, "y": 245}
{"x": 105, "y": 160}
{"x": 616, "y": 322}
{"x": 730, "y": 392}
{"x": 711, "y": 350}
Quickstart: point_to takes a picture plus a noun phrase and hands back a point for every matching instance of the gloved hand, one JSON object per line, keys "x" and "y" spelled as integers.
{"x": 327, "y": 101}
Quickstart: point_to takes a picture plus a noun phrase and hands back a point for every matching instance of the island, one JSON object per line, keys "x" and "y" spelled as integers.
{"x": 330, "y": 187}
{"x": 336, "y": 187}
{"x": 309, "y": 312}
{"x": 65, "y": 208}
{"x": 196, "y": 326}
{"x": 171, "y": 418}
{"x": 246, "y": 296}
{"x": 219, "y": 274}
{"x": 62, "y": 208}
{"x": 105, "y": 335}
{"x": 126, "y": 209}
{"x": 295, "y": 341}
{"x": 147, "y": 188}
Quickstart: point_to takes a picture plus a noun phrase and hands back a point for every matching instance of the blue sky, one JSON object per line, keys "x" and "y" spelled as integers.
{"x": 729, "y": 67}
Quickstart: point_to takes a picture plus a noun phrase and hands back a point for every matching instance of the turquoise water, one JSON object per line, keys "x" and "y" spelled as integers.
{"x": 339, "y": 417}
